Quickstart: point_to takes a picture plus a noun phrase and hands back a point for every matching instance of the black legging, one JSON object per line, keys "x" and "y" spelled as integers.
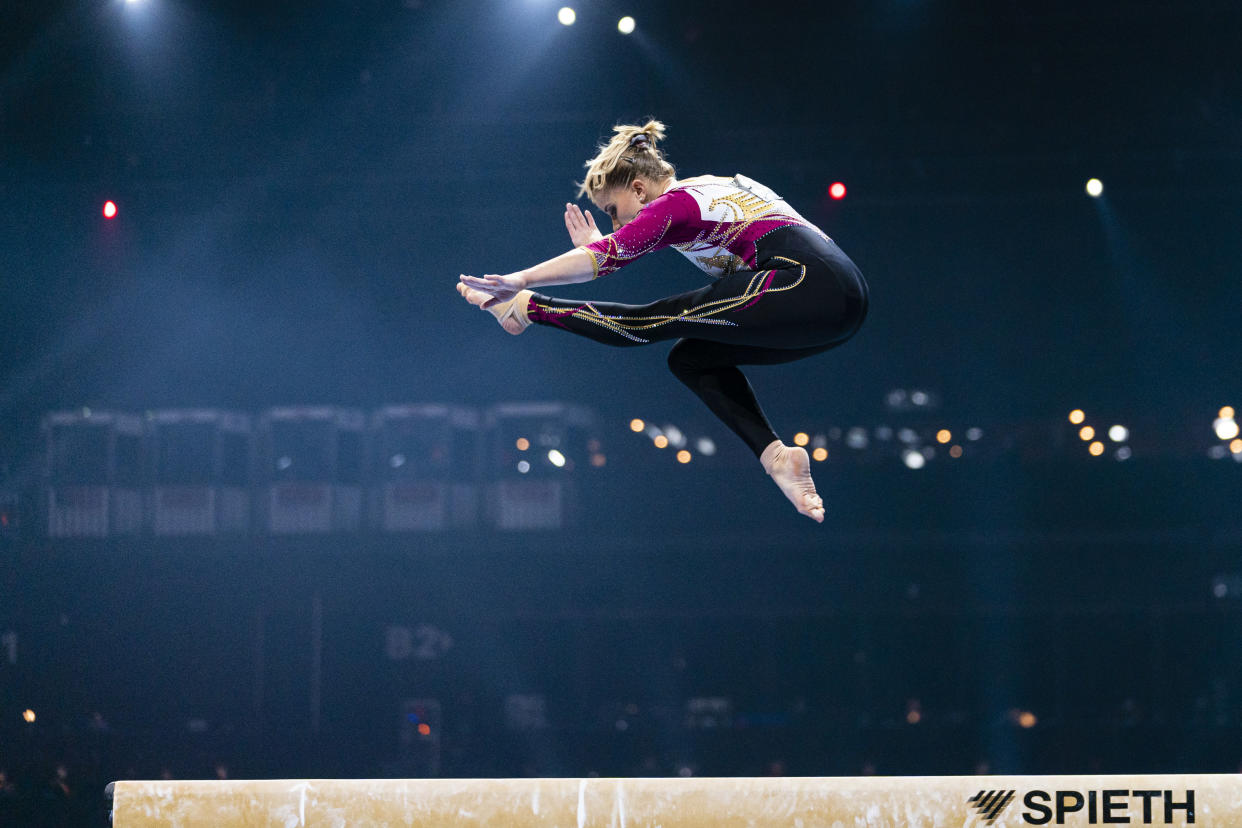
{"x": 805, "y": 298}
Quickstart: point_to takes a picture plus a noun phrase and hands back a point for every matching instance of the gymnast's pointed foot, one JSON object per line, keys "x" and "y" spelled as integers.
{"x": 790, "y": 467}
{"x": 511, "y": 314}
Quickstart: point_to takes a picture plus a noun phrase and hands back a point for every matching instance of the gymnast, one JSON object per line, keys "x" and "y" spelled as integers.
{"x": 781, "y": 289}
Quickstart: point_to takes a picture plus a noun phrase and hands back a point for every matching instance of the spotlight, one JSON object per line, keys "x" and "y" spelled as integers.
{"x": 1119, "y": 434}
{"x": 914, "y": 459}
{"x": 660, "y": 441}
{"x": 109, "y": 209}
{"x": 820, "y": 454}
{"x": 683, "y": 456}
{"x": 955, "y": 452}
{"x": 522, "y": 444}
{"x": 1236, "y": 446}
{"x": 1076, "y": 416}
{"x": 523, "y": 467}
{"x": 1086, "y": 433}
{"x": 626, "y": 25}
{"x": 1096, "y": 448}
{"x": 1226, "y": 413}
{"x": 637, "y": 425}
{"x": 801, "y": 438}
{"x": 556, "y": 458}
{"x": 1226, "y": 428}
{"x": 1095, "y": 187}
{"x": 1123, "y": 453}
{"x": 837, "y": 191}
{"x": 706, "y": 446}
{"x": 28, "y": 715}
{"x": 944, "y": 435}
{"x": 566, "y": 16}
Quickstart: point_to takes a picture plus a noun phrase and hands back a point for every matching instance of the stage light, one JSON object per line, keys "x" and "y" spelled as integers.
{"x": 109, "y": 209}
{"x": 675, "y": 437}
{"x": 908, "y": 436}
{"x": 1095, "y": 188}
{"x": 1119, "y": 434}
{"x": 856, "y": 438}
{"x": 1027, "y": 720}
{"x": 567, "y": 16}
{"x": 660, "y": 441}
{"x": 556, "y": 458}
{"x": 913, "y": 717}
{"x": 1236, "y": 446}
{"x": 955, "y": 452}
{"x": 913, "y": 459}
{"x": 523, "y": 467}
{"x": 974, "y": 434}
{"x": 801, "y": 438}
{"x": 837, "y": 191}
{"x": 424, "y": 729}
{"x": 598, "y": 460}
{"x": 637, "y": 425}
{"x": 1086, "y": 433}
{"x": 625, "y": 25}
{"x": 683, "y": 456}
{"x": 1123, "y": 453}
{"x": 523, "y": 444}
{"x": 1076, "y": 416}
{"x": 944, "y": 435}
{"x": 919, "y": 398}
{"x": 820, "y": 454}
{"x": 1226, "y": 428}
{"x": 1096, "y": 448}
{"x": 397, "y": 461}
{"x": 705, "y": 445}
{"x": 1218, "y": 452}
{"x": 1226, "y": 413}
{"x": 29, "y": 715}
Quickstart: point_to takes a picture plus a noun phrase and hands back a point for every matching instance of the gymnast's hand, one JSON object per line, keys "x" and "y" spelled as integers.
{"x": 581, "y": 226}
{"x": 501, "y": 288}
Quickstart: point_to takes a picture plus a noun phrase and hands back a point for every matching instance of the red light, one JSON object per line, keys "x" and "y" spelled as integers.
{"x": 837, "y": 191}
{"x": 424, "y": 729}
{"x": 109, "y": 210}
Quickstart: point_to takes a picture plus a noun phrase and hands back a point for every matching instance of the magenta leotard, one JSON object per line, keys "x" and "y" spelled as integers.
{"x": 716, "y": 223}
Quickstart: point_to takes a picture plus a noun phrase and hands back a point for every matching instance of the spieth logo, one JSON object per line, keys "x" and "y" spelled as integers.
{"x": 1101, "y": 807}
{"x": 989, "y": 804}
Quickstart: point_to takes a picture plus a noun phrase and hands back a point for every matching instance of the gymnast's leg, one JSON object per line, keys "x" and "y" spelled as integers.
{"x": 709, "y": 369}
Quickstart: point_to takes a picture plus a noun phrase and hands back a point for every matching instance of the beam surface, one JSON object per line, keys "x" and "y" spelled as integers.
{"x": 784, "y": 802}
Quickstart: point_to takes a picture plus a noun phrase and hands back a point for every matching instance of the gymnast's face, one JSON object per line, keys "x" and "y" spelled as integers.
{"x": 623, "y": 203}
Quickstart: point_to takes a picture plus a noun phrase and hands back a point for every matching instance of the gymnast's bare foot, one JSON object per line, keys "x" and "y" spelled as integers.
{"x": 790, "y": 467}
{"x": 511, "y": 314}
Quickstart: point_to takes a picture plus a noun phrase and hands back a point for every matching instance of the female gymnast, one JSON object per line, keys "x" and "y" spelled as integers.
{"x": 781, "y": 290}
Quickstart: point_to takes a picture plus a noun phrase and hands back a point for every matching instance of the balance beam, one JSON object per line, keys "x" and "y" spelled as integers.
{"x": 786, "y": 802}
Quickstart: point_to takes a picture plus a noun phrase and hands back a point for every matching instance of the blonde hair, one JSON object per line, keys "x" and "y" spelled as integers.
{"x": 631, "y": 153}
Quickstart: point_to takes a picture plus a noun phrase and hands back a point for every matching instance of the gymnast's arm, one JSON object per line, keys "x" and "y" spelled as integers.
{"x": 659, "y": 224}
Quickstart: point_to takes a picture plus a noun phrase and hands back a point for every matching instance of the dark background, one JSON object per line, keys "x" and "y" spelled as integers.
{"x": 299, "y": 188}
